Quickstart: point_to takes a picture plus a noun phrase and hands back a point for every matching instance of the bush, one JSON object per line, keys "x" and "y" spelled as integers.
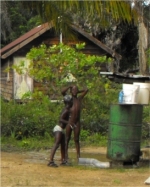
{"x": 146, "y": 123}
{"x": 96, "y": 106}
{"x": 37, "y": 117}
{"x": 33, "y": 118}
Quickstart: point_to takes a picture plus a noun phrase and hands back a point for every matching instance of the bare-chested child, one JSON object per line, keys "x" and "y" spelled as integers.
{"x": 74, "y": 119}
{"x": 59, "y": 133}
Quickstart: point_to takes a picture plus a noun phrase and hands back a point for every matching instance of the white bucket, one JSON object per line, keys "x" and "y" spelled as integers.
{"x": 130, "y": 93}
{"x": 144, "y": 92}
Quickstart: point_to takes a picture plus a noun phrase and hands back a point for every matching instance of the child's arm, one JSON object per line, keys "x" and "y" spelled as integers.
{"x": 84, "y": 92}
{"x": 64, "y": 115}
{"x": 63, "y": 92}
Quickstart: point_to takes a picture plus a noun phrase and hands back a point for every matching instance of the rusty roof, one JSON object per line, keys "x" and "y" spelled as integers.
{"x": 24, "y": 37}
{"x": 37, "y": 31}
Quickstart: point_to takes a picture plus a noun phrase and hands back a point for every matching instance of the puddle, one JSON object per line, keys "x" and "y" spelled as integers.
{"x": 98, "y": 156}
{"x": 43, "y": 156}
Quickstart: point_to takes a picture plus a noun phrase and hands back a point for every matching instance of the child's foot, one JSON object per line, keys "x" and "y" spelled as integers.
{"x": 64, "y": 163}
{"x": 52, "y": 164}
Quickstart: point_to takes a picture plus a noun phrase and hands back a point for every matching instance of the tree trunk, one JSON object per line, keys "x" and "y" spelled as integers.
{"x": 143, "y": 40}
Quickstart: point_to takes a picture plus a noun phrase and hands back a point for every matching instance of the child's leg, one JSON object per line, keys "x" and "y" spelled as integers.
{"x": 68, "y": 136}
{"x": 63, "y": 148}
{"x": 76, "y": 139}
{"x": 58, "y": 136}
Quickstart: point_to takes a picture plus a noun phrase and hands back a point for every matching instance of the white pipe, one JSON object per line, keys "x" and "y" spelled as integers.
{"x": 61, "y": 37}
{"x": 8, "y": 75}
{"x": 93, "y": 162}
{"x": 61, "y": 40}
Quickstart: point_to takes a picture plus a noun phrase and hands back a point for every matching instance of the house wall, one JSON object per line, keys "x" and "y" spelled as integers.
{"x": 90, "y": 48}
{"x": 38, "y": 86}
{"x": 7, "y": 87}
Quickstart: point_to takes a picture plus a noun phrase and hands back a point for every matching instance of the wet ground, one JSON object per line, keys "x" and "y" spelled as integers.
{"x": 43, "y": 156}
{"x": 30, "y": 169}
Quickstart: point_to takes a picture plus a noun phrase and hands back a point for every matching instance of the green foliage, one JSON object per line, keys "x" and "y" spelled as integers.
{"x": 31, "y": 143}
{"x": 97, "y": 139}
{"x": 92, "y": 15}
{"x": 37, "y": 116}
{"x": 52, "y": 65}
{"x": 34, "y": 118}
{"x": 95, "y": 113}
{"x": 16, "y": 20}
{"x": 84, "y": 135}
{"x": 146, "y": 123}
{"x": 117, "y": 181}
{"x": 148, "y": 56}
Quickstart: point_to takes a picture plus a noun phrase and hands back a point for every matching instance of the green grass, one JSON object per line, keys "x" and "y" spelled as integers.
{"x": 46, "y": 142}
{"x": 117, "y": 181}
{"x": 36, "y": 143}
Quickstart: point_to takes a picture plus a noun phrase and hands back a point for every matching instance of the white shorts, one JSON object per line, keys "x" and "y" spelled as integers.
{"x": 58, "y": 128}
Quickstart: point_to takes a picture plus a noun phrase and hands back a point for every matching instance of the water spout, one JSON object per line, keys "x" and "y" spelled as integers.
{"x": 93, "y": 162}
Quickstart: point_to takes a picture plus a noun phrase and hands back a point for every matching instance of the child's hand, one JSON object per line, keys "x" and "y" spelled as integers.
{"x": 70, "y": 88}
{"x": 73, "y": 126}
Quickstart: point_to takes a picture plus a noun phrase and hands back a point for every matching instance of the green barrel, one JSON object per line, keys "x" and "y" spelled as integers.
{"x": 124, "y": 134}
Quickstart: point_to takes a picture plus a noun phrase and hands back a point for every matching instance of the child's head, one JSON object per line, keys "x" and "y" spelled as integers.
{"x": 74, "y": 90}
{"x": 68, "y": 100}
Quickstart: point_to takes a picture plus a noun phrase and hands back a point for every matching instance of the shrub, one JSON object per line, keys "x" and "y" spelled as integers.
{"x": 146, "y": 123}
{"x": 33, "y": 118}
{"x": 96, "y": 106}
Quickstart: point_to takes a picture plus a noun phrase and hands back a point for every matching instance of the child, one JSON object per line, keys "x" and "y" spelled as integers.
{"x": 74, "y": 120}
{"x": 59, "y": 134}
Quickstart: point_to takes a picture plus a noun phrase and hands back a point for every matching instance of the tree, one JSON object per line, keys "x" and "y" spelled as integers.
{"x": 143, "y": 32}
{"x": 97, "y": 13}
{"x": 16, "y": 20}
{"x": 5, "y": 20}
{"x": 94, "y": 17}
{"x": 53, "y": 66}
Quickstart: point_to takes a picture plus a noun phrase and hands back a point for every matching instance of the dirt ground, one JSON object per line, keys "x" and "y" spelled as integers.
{"x": 30, "y": 169}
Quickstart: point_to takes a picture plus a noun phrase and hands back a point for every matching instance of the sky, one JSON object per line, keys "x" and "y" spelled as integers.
{"x": 147, "y": 2}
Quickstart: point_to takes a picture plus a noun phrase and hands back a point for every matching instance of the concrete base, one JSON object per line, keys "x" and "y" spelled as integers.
{"x": 147, "y": 181}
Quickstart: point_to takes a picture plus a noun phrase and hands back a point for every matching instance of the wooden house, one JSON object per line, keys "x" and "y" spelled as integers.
{"x": 14, "y": 85}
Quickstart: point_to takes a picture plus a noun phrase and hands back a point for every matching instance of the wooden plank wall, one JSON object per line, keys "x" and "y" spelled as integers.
{"x": 90, "y": 48}
{"x": 6, "y": 84}
{"x": 48, "y": 39}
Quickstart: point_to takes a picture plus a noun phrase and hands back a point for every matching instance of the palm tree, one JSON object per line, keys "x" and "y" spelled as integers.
{"x": 143, "y": 30}
{"x": 101, "y": 13}
{"x": 92, "y": 16}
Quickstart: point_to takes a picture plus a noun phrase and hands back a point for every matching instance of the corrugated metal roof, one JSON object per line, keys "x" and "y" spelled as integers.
{"x": 37, "y": 31}
{"x": 112, "y": 75}
{"x": 24, "y": 37}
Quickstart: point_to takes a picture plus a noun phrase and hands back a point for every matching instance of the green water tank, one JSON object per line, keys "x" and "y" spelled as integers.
{"x": 124, "y": 134}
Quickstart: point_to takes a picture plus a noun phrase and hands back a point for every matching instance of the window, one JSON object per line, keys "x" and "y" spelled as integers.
{"x": 22, "y": 82}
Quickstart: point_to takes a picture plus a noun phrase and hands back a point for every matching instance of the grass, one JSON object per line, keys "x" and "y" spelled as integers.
{"x": 46, "y": 142}
{"x": 117, "y": 181}
{"x": 86, "y": 167}
{"x": 36, "y": 143}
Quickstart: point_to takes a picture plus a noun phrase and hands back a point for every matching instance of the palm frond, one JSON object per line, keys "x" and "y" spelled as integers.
{"x": 95, "y": 13}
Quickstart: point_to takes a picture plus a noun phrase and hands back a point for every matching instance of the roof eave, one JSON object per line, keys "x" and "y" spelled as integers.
{"x": 10, "y": 49}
